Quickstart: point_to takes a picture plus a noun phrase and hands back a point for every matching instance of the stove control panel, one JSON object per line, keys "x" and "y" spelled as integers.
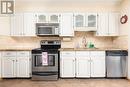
{"x": 48, "y": 42}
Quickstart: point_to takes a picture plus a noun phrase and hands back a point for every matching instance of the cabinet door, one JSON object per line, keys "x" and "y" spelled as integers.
{"x": 29, "y": 24}
{"x": 79, "y": 20}
{"x": 8, "y": 67}
{"x": 42, "y": 18}
{"x": 67, "y": 67}
{"x": 54, "y": 18}
{"x": 83, "y": 67}
{"x": 66, "y": 25}
{"x": 102, "y": 24}
{"x": 5, "y": 25}
{"x": 17, "y": 24}
{"x": 23, "y": 67}
{"x": 98, "y": 64}
{"x": 113, "y": 24}
{"x": 91, "y": 21}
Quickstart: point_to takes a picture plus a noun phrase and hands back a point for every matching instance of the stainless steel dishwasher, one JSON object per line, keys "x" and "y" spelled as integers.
{"x": 116, "y": 64}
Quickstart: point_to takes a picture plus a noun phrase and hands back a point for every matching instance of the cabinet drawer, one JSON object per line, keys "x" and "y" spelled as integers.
{"x": 9, "y": 54}
{"x": 97, "y": 53}
{"x": 82, "y": 53}
{"x": 68, "y": 54}
{"x": 23, "y": 53}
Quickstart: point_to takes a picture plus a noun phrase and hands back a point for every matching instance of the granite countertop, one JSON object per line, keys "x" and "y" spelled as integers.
{"x": 90, "y": 49}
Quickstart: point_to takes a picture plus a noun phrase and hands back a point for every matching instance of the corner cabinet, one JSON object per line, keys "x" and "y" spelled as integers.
{"x": 67, "y": 64}
{"x": 66, "y": 25}
{"x": 108, "y": 24}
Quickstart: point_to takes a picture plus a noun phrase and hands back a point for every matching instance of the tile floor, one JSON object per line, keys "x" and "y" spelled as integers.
{"x": 65, "y": 83}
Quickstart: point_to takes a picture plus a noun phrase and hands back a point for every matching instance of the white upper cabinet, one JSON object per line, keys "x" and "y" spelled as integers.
{"x": 85, "y": 22}
{"x": 79, "y": 20}
{"x": 17, "y": 24}
{"x": 102, "y": 24}
{"x": 54, "y": 18}
{"x": 5, "y": 25}
{"x": 23, "y": 24}
{"x": 114, "y": 24}
{"x": 48, "y": 18}
{"x": 66, "y": 25}
{"x": 42, "y": 18}
{"x": 91, "y": 21}
{"x": 29, "y": 24}
{"x": 108, "y": 24}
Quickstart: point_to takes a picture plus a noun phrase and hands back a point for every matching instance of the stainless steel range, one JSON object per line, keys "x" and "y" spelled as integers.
{"x": 45, "y": 61}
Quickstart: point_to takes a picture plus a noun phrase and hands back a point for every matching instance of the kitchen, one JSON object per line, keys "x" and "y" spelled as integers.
{"x": 88, "y": 30}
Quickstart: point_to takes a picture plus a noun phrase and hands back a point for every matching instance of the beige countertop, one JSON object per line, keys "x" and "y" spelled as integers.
{"x": 90, "y": 49}
{"x": 16, "y": 48}
{"x": 61, "y": 49}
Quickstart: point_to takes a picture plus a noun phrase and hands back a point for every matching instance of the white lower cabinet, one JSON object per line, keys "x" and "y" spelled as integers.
{"x": 98, "y": 64}
{"x": 8, "y": 67}
{"x": 83, "y": 67}
{"x": 67, "y": 64}
{"x": 83, "y": 64}
{"x": 14, "y": 65}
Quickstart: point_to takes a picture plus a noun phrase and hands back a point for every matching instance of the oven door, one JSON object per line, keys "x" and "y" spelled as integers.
{"x": 37, "y": 63}
{"x": 45, "y": 30}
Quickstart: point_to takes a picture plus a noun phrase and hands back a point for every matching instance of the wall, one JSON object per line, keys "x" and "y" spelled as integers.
{"x": 63, "y": 7}
{"x": 124, "y": 39}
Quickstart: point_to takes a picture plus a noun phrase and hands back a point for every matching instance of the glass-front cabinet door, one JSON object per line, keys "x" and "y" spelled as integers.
{"x": 54, "y": 18}
{"x": 79, "y": 20}
{"x": 91, "y": 20}
{"x": 42, "y": 18}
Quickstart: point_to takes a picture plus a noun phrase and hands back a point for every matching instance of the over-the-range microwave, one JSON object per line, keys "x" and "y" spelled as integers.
{"x": 47, "y": 29}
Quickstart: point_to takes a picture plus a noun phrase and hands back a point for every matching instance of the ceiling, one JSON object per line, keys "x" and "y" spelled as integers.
{"x": 72, "y": 1}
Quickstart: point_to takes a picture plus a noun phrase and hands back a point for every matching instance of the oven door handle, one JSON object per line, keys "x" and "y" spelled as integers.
{"x": 45, "y": 74}
{"x": 52, "y": 54}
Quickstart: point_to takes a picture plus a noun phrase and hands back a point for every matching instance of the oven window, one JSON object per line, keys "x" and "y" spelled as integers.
{"x": 39, "y": 61}
{"x": 45, "y": 30}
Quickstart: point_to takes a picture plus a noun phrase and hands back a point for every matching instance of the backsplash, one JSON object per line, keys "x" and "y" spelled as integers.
{"x": 99, "y": 42}
{"x": 121, "y": 42}
{"x": 34, "y": 42}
